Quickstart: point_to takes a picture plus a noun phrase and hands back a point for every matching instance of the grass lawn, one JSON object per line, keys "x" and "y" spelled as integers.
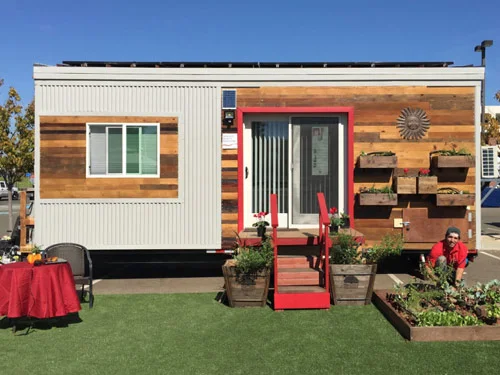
{"x": 194, "y": 334}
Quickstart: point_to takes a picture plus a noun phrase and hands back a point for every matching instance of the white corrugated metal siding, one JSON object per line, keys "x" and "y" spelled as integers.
{"x": 190, "y": 222}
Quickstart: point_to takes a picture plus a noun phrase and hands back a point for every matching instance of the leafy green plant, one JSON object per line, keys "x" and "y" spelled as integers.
{"x": 346, "y": 249}
{"x": 451, "y": 190}
{"x": 454, "y": 151}
{"x": 373, "y": 190}
{"x": 391, "y": 245}
{"x": 378, "y": 153}
{"x": 250, "y": 260}
{"x": 445, "y": 319}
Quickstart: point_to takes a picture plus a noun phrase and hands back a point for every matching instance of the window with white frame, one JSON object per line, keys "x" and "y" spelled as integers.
{"x": 123, "y": 150}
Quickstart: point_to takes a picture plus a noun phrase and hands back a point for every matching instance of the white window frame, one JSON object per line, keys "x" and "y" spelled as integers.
{"x": 124, "y": 127}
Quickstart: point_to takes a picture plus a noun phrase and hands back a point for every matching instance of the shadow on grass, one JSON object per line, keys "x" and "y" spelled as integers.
{"x": 29, "y": 324}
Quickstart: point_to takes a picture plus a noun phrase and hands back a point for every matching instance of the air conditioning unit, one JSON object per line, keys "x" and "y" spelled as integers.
{"x": 489, "y": 162}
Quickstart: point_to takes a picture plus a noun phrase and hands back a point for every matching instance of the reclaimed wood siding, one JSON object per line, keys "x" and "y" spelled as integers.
{"x": 376, "y": 109}
{"x": 63, "y": 160}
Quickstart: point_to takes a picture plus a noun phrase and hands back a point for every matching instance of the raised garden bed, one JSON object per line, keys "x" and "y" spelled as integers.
{"x": 413, "y": 333}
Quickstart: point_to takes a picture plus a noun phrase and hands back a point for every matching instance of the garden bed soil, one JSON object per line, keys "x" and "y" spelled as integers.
{"x": 409, "y": 332}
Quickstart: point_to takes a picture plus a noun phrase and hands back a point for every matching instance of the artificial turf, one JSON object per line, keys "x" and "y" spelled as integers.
{"x": 194, "y": 334}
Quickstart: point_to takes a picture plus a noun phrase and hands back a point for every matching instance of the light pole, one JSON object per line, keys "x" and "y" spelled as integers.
{"x": 482, "y": 48}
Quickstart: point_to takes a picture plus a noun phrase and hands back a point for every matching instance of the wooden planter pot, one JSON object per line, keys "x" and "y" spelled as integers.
{"x": 427, "y": 185}
{"x": 455, "y": 199}
{"x": 378, "y": 199}
{"x": 352, "y": 284}
{"x": 470, "y": 333}
{"x": 378, "y": 161}
{"x": 245, "y": 290}
{"x": 406, "y": 185}
{"x": 457, "y": 161}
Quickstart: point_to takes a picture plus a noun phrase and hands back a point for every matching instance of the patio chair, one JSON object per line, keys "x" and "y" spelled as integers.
{"x": 79, "y": 259}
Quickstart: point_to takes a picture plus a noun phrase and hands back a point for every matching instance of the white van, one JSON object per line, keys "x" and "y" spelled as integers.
{"x": 4, "y": 193}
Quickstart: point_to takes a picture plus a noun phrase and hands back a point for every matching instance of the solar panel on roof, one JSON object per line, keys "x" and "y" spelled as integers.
{"x": 229, "y": 99}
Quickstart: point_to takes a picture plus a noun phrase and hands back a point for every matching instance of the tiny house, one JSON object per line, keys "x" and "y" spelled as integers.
{"x": 164, "y": 156}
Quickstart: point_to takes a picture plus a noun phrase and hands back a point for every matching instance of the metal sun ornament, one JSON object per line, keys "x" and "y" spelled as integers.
{"x": 413, "y": 123}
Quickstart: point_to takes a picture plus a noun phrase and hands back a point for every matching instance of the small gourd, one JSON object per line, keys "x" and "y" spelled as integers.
{"x": 35, "y": 255}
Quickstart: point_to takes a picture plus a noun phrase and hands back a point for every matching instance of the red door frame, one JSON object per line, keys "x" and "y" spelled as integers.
{"x": 349, "y": 111}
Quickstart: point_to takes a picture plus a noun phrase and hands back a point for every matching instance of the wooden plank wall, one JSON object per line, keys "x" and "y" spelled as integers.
{"x": 63, "y": 160}
{"x": 376, "y": 109}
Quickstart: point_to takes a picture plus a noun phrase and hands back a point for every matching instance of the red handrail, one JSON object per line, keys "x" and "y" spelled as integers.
{"x": 274, "y": 224}
{"x": 323, "y": 239}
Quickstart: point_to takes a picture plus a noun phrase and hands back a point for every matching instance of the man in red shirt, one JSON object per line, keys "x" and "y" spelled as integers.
{"x": 449, "y": 252}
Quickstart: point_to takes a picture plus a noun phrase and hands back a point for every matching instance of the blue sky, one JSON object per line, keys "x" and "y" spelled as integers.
{"x": 51, "y": 31}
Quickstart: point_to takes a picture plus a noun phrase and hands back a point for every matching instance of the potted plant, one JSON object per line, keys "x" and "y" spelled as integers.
{"x": 248, "y": 273}
{"x": 338, "y": 219}
{"x": 261, "y": 224}
{"x": 353, "y": 270}
{"x": 453, "y": 158}
{"x": 450, "y": 196}
{"x": 383, "y": 196}
{"x": 406, "y": 184}
{"x": 378, "y": 159}
{"x": 427, "y": 184}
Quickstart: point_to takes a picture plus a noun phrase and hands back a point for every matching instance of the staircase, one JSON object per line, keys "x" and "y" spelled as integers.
{"x": 301, "y": 280}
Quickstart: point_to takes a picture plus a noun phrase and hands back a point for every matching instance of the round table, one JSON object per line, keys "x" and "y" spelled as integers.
{"x": 44, "y": 291}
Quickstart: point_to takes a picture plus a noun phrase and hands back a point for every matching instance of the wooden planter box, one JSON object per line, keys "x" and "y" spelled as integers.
{"x": 406, "y": 185}
{"x": 455, "y": 199}
{"x": 470, "y": 333}
{"x": 352, "y": 284}
{"x": 378, "y": 199}
{"x": 378, "y": 161}
{"x": 245, "y": 290}
{"x": 458, "y": 161}
{"x": 427, "y": 185}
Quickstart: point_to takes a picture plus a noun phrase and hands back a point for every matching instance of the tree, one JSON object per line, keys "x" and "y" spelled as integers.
{"x": 16, "y": 141}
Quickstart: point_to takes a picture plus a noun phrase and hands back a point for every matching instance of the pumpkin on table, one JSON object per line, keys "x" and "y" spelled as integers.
{"x": 35, "y": 255}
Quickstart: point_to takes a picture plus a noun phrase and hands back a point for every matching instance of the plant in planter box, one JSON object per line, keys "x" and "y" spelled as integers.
{"x": 450, "y": 196}
{"x": 406, "y": 183}
{"x": 453, "y": 158}
{"x": 338, "y": 219}
{"x": 352, "y": 271}
{"x": 427, "y": 184}
{"x": 377, "y": 196}
{"x": 261, "y": 223}
{"x": 247, "y": 275}
{"x": 378, "y": 159}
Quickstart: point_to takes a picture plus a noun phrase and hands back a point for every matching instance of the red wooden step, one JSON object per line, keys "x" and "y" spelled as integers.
{"x": 297, "y": 261}
{"x": 297, "y": 289}
{"x": 298, "y": 276}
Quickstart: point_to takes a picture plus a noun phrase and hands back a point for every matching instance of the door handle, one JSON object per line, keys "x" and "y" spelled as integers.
{"x": 406, "y": 224}
{"x": 246, "y": 173}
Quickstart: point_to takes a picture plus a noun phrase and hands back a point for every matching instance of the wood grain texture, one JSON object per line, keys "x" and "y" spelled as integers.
{"x": 376, "y": 109}
{"x": 63, "y": 165}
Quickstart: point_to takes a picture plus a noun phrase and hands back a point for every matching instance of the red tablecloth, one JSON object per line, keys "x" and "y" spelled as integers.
{"x": 44, "y": 291}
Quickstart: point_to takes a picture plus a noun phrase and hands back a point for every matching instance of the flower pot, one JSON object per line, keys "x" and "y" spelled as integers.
{"x": 406, "y": 185}
{"x": 347, "y": 223}
{"x": 334, "y": 228}
{"x": 427, "y": 185}
{"x": 352, "y": 284}
{"x": 245, "y": 290}
{"x": 261, "y": 231}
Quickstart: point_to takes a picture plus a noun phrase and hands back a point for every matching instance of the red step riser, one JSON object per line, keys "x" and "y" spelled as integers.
{"x": 298, "y": 275}
{"x": 291, "y": 282}
{"x": 296, "y": 263}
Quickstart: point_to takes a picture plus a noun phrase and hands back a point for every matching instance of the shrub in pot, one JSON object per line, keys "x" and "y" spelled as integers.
{"x": 247, "y": 275}
{"x": 353, "y": 269}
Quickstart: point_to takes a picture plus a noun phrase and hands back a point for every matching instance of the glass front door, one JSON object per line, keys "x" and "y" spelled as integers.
{"x": 293, "y": 157}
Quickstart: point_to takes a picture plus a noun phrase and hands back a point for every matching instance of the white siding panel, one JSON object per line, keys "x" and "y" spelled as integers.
{"x": 193, "y": 221}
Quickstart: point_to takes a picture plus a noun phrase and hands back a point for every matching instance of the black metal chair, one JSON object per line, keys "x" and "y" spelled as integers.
{"x": 79, "y": 259}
